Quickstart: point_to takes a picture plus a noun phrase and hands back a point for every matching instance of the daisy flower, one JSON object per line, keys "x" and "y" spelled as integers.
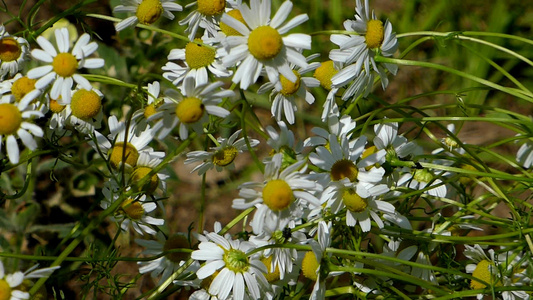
{"x": 21, "y": 87}
{"x": 84, "y": 111}
{"x": 191, "y": 108}
{"x": 16, "y": 122}
{"x": 262, "y": 43}
{"x": 197, "y": 61}
{"x": 13, "y": 52}
{"x": 146, "y": 12}
{"x": 340, "y": 127}
{"x": 122, "y": 145}
{"x": 323, "y": 74}
{"x": 419, "y": 179}
{"x": 234, "y": 270}
{"x": 63, "y": 65}
{"x": 12, "y": 286}
{"x": 147, "y": 161}
{"x": 206, "y": 15}
{"x": 483, "y": 267}
{"x": 282, "y": 191}
{"x": 165, "y": 265}
{"x": 311, "y": 264}
{"x": 221, "y": 156}
{"x": 133, "y": 211}
{"x": 357, "y": 52}
{"x": 387, "y": 138}
{"x": 285, "y": 92}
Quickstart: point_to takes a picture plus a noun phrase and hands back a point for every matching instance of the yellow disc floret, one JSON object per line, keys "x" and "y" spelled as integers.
{"x": 288, "y": 87}
{"x": 176, "y": 241}
{"x": 133, "y": 209}
{"x": 271, "y": 275}
{"x": 140, "y": 173}
{"x": 199, "y": 56}
{"x": 119, "y": 154}
{"x": 10, "y": 49}
{"x": 310, "y": 266}
{"x": 190, "y": 110}
{"x": 56, "y": 107}
{"x": 344, "y": 168}
{"x": 65, "y": 64}
{"x": 225, "y": 156}
{"x": 22, "y": 86}
{"x": 85, "y": 104}
{"x": 482, "y": 272}
{"x": 10, "y": 119}
{"x": 324, "y": 73}
{"x": 277, "y": 194}
{"x": 229, "y": 31}
{"x": 149, "y": 11}
{"x": 211, "y": 7}
{"x": 353, "y": 201}
{"x": 265, "y": 42}
{"x": 374, "y": 34}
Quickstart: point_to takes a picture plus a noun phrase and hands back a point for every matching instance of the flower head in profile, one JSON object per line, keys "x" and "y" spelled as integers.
{"x": 63, "y": 66}
{"x": 357, "y": 52}
{"x": 191, "y": 108}
{"x": 311, "y": 264}
{"x": 206, "y": 15}
{"x": 16, "y": 121}
{"x": 262, "y": 42}
{"x": 13, "y": 53}
{"x": 233, "y": 271}
{"x": 221, "y": 156}
{"x": 146, "y": 12}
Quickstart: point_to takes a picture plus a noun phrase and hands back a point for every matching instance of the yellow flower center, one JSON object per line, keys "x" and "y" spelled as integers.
{"x": 271, "y": 276}
{"x": 344, "y": 168}
{"x": 324, "y": 73}
{"x": 5, "y": 290}
{"x": 198, "y": 56}
{"x": 225, "y": 156}
{"x": 10, "y": 49}
{"x": 65, "y": 64}
{"x": 133, "y": 209}
{"x": 236, "y": 260}
{"x": 140, "y": 173}
{"x": 85, "y": 104}
{"x": 149, "y": 11}
{"x": 288, "y": 87}
{"x": 22, "y": 86}
{"x": 229, "y": 31}
{"x": 190, "y": 110}
{"x": 264, "y": 42}
{"x": 10, "y": 119}
{"x": 353, "y": 201}
{"x": 211, "y": 7}
{"x": 310, "y": 266}
{"x": 277, "y": 194}
{"x": 374, "y": 34}
{"x": 482, "y": 272}
{"x": 176, "y": 241}
{"x": 130, "y": 155}
{"x": 56, "y": 107}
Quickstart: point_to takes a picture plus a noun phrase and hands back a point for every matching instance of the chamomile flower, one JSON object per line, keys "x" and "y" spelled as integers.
{"x": 165, "y": 265}
{"x": 285, "y": 93}
{"x": 84, "y": 112}
{"x": 483, "y": 267}
{"x": 262, "y": 44}
{"x": 16, "y": 122}
{"x": 420, "y": 178}
{"x": 341, "y": 127}
{"x": 284, "y": 192}
{"x": 311, "y": 264}
{"x": 13, "y": 52}
{"x": 387, "y": 138}
{"x": 235, "y": 272}
{"x": 206, "y": 15}
{"x": 197, "y": 61}
{"x": 221, "y": 156}
{"x": 123, "y": 145}
{"x": 324, "y": 74}
{"x": 146, "y": 12}
{"x": 134, "y": 212}
{"x": 191, "y": 108}
{"x": 147, "y": 161}
{"x": 357, "y": 52}
{"x": 12, "y": 285}
{"x": 21, "y": 87}
{"x": 59, "y": 117}
{"x": 63, "y": 66}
